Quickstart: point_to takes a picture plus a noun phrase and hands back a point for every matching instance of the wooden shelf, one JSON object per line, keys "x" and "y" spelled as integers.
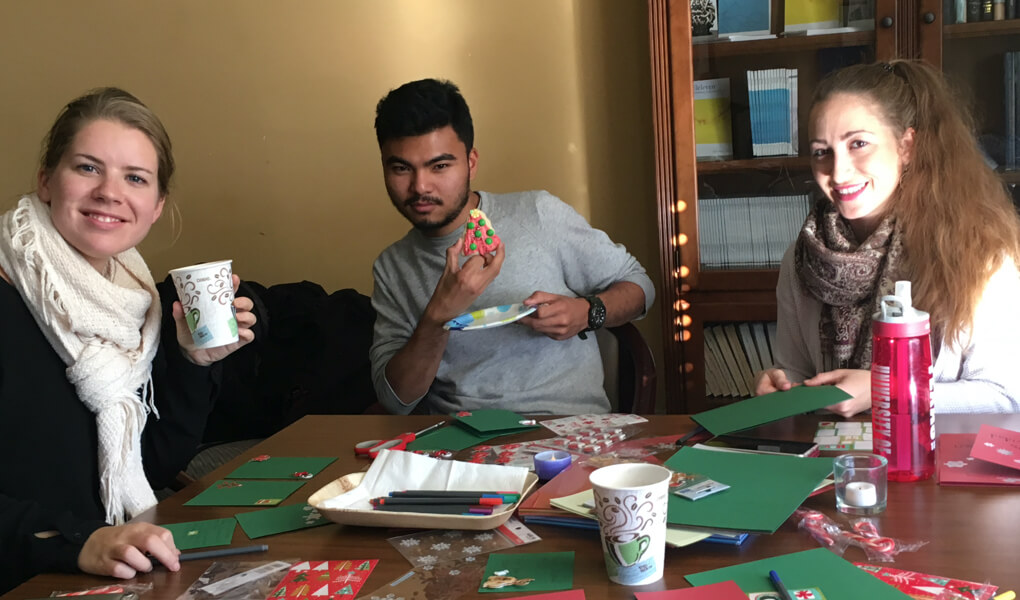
{"x": 982, "y": 29}
{"x": 789, "y": 44}
{"x": 736, "y": 280}
{"x": 1010, "y": 176}
{"x": 768, "y": 163}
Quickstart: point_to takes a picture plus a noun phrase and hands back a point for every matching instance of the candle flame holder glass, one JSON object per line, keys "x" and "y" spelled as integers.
{"x": 861, "y": 481}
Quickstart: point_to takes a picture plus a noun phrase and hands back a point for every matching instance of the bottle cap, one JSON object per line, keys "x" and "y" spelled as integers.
{"x": 897, "y": 316}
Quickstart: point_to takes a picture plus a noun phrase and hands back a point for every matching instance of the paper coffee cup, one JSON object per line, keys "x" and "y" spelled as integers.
{"x": 206, "y": 291}
{"x": 631, "y": 501}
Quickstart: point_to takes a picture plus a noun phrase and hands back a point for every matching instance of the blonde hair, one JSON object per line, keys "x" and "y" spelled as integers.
{"x": 113, "y": 104}
{"x": 957, "y": 218}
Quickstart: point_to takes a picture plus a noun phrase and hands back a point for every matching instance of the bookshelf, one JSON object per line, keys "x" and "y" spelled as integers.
{"x": 697, "y": 299}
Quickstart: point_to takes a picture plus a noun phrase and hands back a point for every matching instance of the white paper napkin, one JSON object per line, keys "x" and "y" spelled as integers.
{"x": 395, "y": 470}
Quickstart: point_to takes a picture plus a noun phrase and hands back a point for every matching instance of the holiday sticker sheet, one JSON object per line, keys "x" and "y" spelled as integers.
{"x": 326, "y": 579}
{"x": 997, "y": 445}
{"x": 433, "y": 546}
{"x": 440, "y": 581}
{"x": 567, "y": 425}
{"x": 844, "y": 435}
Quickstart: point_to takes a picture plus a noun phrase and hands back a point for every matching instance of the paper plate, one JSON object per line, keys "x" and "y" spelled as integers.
{"x": 494, "y": 316}
{"x": 379, "y": 518}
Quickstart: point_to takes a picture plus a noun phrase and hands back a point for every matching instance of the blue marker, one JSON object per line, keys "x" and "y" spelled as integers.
{"x": 778, "y": 584}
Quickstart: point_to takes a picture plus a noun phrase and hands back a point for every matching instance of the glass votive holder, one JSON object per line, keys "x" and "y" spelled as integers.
{"x": 861, "y": 481}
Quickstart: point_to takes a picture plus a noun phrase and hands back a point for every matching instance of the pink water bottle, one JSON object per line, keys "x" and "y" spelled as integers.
{"x": 901, "y": 410}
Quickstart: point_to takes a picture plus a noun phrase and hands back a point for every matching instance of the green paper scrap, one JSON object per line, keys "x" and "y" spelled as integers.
{"x": 281, "y": 467}
{"x": 819, "y": 568}
{"x": 451, "y": 437}
{"x": 202, "y": 534}
{"x": 494, "y": 420}
{"x": 260, "y": 523}
{"x": 247, "y": 492}
{"x": 769, "y": 407}
{"x": 550, "y": 570}
{"x": 764, "y": 489}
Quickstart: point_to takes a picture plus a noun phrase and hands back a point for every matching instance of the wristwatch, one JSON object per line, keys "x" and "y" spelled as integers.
{"x": 596, "y": 315}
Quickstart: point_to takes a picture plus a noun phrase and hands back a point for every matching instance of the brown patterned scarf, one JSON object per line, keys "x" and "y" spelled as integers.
{"x": 849, "y": 278}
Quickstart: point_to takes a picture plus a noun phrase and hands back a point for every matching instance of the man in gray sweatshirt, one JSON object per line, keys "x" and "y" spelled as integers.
{"x": 549, "y": 258}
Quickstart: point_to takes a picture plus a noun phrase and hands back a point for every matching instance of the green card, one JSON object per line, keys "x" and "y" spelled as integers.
{"x": 770, "y": 407}
{"x": 550, "y": 571}
{"x": 495, "y": 420}
{"x": 282, "y": 467}
{"x": 260, "y": 523}
{"x": 247, "y": 492}
{"x": 818, "y": 568}
{"x": 764, "y": 489}
{"x": 451, "y": 437}
{"x": 202, "y": 534}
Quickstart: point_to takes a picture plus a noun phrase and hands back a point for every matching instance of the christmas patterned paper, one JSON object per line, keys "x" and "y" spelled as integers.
{"x": 929, "y": 587}
{"x": 324, "y": 579}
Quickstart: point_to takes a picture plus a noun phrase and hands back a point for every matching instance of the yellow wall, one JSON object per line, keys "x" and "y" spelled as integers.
{"x": 270, "y": 105}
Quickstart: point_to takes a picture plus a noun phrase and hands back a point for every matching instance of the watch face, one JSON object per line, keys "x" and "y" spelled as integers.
{"x": 596, "y": 312}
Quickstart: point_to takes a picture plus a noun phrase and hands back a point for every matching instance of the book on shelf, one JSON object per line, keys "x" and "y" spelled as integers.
{"x": 761, "y": 341}
{"x": 744, "y": 17}
{"x": 748, "y": 233}
{"x": 801, "y": 15}
{"x": 747, "y": 339}
{"x": 772, "y": 97}
{"x": 716, "y": 340}
{"x": 715, "y": 385}
{"x": 713, "y": 132}
{"x": 741, "y": 355}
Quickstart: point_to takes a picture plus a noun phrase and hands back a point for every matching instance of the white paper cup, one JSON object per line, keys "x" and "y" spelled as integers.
{"x": 631, "y": 503}
{"x": 206, "y": 291}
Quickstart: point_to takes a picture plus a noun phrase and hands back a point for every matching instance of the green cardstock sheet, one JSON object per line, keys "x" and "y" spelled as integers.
{"x": 246, "y": 492}
{"x": 768, "y": 408}
{"x": 550, "y": 571}
{"x": 494, "y": 420}
{"x": 260, "y": 523}
{"x": 452, "y": 437}
{"x": 281, "y": 467}
{"x": 819, "y": 568}
{"x": 764, "y": 489}
{"x": 202, "y": 534}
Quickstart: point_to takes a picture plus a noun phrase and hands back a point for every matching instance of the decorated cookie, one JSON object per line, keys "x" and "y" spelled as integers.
{"x": 479, "y": 236}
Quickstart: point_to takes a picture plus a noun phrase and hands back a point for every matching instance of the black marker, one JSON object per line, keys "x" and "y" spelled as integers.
{"x": 222, "y": 552}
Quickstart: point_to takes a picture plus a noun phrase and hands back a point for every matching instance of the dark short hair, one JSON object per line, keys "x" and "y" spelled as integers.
{"x": 421, "y": 107}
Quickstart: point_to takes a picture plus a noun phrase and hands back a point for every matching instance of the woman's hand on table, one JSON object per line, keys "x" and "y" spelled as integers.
{"x": 207, "y": 356}
{"x": 856, "y": 382}
{"x": 771, "y": 380}
{"x": 120, "y": 551}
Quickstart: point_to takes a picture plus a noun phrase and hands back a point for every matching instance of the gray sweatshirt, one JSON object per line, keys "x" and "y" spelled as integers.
{"x": 549, "y": 248}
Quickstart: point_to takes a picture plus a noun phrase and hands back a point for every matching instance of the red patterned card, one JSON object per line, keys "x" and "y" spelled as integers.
{"x": 930, "y": 587}
{"x": 956, "y": 466}
{"x": 323, "y": 579}
{"x": 997, "y": 445}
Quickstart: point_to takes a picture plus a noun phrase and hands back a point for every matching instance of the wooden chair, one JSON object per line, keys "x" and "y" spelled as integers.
{"x": 629, "y": 369}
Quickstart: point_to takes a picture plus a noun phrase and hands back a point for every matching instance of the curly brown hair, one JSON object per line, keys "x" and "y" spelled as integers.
{"x": 958, "y": 221}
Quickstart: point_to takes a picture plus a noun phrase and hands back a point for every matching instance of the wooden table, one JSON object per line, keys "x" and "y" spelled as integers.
{"x": 973, "y": 533}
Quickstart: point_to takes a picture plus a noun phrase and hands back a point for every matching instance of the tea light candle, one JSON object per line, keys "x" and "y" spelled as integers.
{"x": 860, "y": 493}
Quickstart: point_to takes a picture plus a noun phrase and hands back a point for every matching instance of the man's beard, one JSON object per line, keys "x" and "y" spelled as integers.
{"x": 451, "y": 216}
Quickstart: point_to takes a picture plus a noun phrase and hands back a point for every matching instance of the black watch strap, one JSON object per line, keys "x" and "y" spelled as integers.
{"x": 596, "y": 315}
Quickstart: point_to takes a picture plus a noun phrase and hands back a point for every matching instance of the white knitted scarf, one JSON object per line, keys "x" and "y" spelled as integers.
{"x": 106, "y": 330}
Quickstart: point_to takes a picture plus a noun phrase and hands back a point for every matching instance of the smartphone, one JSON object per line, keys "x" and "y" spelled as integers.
{"x": 759, "y": 445}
